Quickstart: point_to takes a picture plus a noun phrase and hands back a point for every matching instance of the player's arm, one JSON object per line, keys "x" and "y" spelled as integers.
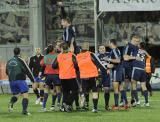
{"x": 41, "y": 71}
{"x": 55, "y": 64}
{"x": 77, "y": 69}
{"x": 152, "y": 65}
{"x": 7, "y": 69}
{"x": 117, "y": 58}
{"x": 42, "y": 62}
{"x": 75, "y": 63}
{"x": 127, "y": 57}
{"x": 97, "y": 62}
{"x": 31, "y": 63}
{"x": 27, "y": 70}
{"x": 115, "y": 61}
{"x": 147, "y": 54}
{"x": 70, "y": 36}
{"x": 71, "y": 47}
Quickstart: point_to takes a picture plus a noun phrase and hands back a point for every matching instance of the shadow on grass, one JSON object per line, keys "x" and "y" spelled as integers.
{"x": 142, "y": 108}
{"x": 6, "y": 115}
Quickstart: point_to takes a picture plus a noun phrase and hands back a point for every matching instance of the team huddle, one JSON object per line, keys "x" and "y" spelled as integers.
{"x": 70, "y": 73}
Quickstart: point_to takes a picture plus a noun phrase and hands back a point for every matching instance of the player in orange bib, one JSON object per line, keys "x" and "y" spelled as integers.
{"x": 88, "y": 65}
{"x": 66, "y": 62}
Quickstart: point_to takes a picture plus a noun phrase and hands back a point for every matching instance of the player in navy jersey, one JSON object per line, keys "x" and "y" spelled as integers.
{"x": 69, "y": 35}
{"x": 139, "y": 73}
{"x": 105, "y": 75}
{"x": 126, "y": 79}
{"x": 129, "y": 56}
{"x": 117, "y": 72}
{"x": 149, "y": 68}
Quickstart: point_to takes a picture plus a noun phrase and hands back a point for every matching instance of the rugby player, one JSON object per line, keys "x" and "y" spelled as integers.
{"x": 37, "y": 70}
{"x": 17, "y": 69}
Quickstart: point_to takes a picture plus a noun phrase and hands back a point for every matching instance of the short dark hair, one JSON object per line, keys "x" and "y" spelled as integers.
{"x": 113, "y": 41}
{"x": 67, "y": 19}
{"x": 134, "y": 35}
{"x": 143, "y": 45}
{"x": 50, "y": 48}
{"x": 64, "y": 46}
{"x": 17, "y": 51}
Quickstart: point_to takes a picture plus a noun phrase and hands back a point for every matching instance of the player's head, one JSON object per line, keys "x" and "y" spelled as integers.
{"x": 17, "y": 51}
{"x": 112, "y": 43}
{"x": 57, "y": 47}
{"x": 50, "y": 48}
{"x": 142, "y": 45}
{"x": 135, "y": 39}
{"x": 59, "y": 41}
{"x": 102, "y": 49}
{"x": 65, "y": 22}
{"x": 38, "y": 51}
{"x": 85, "y": 46}
{"x": 64, "y": 47}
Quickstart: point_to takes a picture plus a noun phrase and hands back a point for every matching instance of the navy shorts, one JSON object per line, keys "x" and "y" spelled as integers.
{"x": 105, "y": 79}
{"x": 118, "y": 75}
{"x": 128, "y": 73}
{"x": 19, "y": 86}
{"x": 89, "y": 84}
{"x": 139, "y": 74}
{"x": 38, "y": 80}
{"x": 53, "y": 80}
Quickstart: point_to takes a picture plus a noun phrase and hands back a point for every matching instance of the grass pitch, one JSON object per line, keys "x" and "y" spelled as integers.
{"x": 138, "y": 114}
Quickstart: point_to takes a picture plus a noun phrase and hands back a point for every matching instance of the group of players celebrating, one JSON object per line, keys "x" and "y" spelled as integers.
{"x": 71, "y": 72}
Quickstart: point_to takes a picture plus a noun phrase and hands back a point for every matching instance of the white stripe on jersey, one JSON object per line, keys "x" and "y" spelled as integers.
{"x": 114, "y": 51}
{"x": 126, "y": 50}
{"x": 26, "y": 66}
{"x": 67, "y": 34}
{"x": 99, "y": 61}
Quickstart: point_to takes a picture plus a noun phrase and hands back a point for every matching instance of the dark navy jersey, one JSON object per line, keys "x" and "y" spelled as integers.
{"x": 101, "y": 57}
{"x": 68, "y": 34}
{"x": 130, "y": 50}
{"x": 17, "y": 69}
{"x": 35, "y": 66}
{"x": 140, "y": 63}
{"x": 115, "y": 54}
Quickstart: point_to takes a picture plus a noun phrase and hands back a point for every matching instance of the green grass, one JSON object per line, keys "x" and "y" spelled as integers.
{"x": 139, "y": 114}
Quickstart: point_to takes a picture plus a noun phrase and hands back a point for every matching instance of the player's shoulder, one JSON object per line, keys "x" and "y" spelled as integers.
{"x": 21, "y": 59}
{"x": 11, "y": 59}
{"x": 116, "y": 50}
{"x": 98, "y": 54}
{"x": 133, "y": 46}
{"x": 72, "y": 28}
{"x": 91, "y": 53}
{"x": 129, "y": 46}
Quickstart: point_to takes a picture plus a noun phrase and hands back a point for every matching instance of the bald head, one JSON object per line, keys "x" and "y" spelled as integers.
{"x": 85, "y": 46}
